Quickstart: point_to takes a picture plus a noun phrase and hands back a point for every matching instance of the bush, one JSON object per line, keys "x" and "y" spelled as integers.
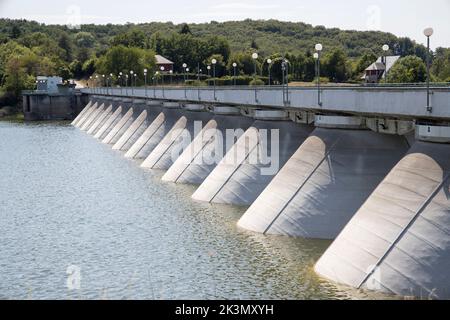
{"x": 257, "y": 82}
{"x": 244, "y": 80}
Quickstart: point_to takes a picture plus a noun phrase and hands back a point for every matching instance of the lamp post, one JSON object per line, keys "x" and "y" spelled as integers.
{"x": 214, "y": 61}
{"x": 269, "y": 64}
{"x": 103, "y": 83}
{"x": 209, "y": 69}
{"x": 254, "y": 57}
{"x": 184, "y": 68}
{"x": 145, "y": 81}
{"x": 319, "y": 49}
{"x": 126, "y": 84}
{"x": 184, "y": 74}
{"x": 234, "y": 73}
{"x": 111, "y": 82}
{"x": 90, "y": 79}
{"x": 171, "y": 76}
{"x": 385, "y": 50}
{"x": 120, "y": 80}
{"x": 162, "y": 79}
{"x": 131, "y": 82}
{"x": 428, "y": 32}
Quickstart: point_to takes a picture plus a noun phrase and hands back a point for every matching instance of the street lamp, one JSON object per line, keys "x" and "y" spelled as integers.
{"x": 214, "y": 61}
{"x": 234, "y": 73}
{"x": 145, "y": 81}
{"x": 184, "y": 67}
{"x": 171, "y": 76}
{"x": 254, "y": 57}
{"x": 385, "y": 50}
{"x": 126, "y": 83}
{"x": 103, "y": 83}
{"x": 162, "y": 79}
{"x": 428, "y": 32}
{"x": 209, "y": 69}
{"x": 269, "y": 64}
{"x": 319, "y": 49}
{"x": 131, "y": 82}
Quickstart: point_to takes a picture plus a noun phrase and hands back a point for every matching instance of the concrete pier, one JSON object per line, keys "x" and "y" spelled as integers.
{"x": 239, "y": 178}
{"x": 122, "y": 125}
{"x": 153, "y": 135}
{"x": 200, "y": 158}
{"x": 87, "y": 114}
{"x": 81, "y": 114}
{"x": 399, "y": 240}
{"x": 101, "y": 119}
{"x": 188, "y": 125}
{"x": 149, "y": 112}
{"x": 324, "y": 183}
{"x": 89, "y": 121}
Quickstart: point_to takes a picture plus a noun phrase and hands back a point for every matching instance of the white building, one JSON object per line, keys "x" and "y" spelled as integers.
{"x": 49, "y": 84}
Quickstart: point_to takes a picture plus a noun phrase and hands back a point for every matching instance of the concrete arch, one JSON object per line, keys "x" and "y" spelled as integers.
{"x": 324, "y": 183}
{"x": 100, "y": 120}
{"x": 195, "y": 164}
{"x": 186, "y": 128}
{"x": 399, "y": 240}
{"x": 81, "y": 114}
{"x": 87, "y": 114}
{"x": 109, "y": 123}
{"x": 93, "y": 117}
{"x": 238, "y": 178}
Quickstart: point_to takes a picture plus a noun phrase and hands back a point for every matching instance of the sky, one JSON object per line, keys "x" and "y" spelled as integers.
{"x": 400, "y": 17}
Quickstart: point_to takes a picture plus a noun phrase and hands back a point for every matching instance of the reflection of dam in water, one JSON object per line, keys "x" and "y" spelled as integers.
{"x": 368, "y": 183}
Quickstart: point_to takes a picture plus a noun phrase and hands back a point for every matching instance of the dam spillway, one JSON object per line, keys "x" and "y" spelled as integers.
{"x": 334, "y": 177}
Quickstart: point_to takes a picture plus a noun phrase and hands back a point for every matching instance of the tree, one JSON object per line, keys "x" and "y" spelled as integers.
{"x": 220, "y": 65}
{"x": 133, "y": 38}
{"x": 89, "y": 67}
{"x": 85, "y": 39}
{"x": 335, "y": 65}
{"x": 66, "y": 45}
{"x": 254, "y": 45}
{"x": 185, "y": 29}
{"x": 124, "y": 59}
{"x": 244, "y": 63}
{"x": 366, "y": 60}
{"x": 15, "y": 31}
{"x": 16, "y": 77}
{"x": 441, "y": 64}
{"x": 76, "y": 68}
{"x": 410, "y": 69}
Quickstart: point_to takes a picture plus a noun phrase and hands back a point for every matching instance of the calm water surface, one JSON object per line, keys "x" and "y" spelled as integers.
{"x": 66, "y": 199}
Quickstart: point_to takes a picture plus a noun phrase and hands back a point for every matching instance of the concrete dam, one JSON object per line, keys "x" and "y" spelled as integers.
{"x": 367, "y": 168}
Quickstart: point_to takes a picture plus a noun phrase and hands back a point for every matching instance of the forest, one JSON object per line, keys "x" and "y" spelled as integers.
{"x": 29, "y": 48}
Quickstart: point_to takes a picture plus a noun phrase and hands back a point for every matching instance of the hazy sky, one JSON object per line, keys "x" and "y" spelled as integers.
{"x": 401, "y": 17}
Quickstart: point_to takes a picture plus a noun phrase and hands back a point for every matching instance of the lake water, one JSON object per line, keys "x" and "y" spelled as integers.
{"x": 69, "y": 202}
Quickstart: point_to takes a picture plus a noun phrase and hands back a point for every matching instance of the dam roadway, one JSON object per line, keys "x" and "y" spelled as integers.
{"x": 368, "y": 167}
